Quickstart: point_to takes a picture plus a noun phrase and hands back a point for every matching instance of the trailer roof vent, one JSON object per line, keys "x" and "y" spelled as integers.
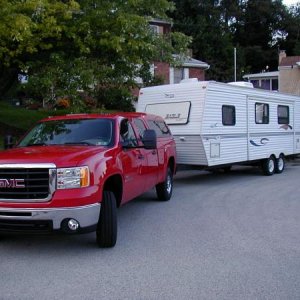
{"x": 189, "y": 80}
{"x": 242, "y": 83}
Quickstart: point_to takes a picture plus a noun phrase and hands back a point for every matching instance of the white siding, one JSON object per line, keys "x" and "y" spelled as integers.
{"x": 182, "y": 92}
{"x": 204, "y": 140}
{"x": 190, "y": 150}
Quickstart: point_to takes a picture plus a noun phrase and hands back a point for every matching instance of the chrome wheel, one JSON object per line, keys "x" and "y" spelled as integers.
{"x": 280, "y": 164}
{"x": 268, "y": 166}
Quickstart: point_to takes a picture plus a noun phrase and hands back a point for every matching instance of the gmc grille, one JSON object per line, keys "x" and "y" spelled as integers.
{"x": 26, "y": 184}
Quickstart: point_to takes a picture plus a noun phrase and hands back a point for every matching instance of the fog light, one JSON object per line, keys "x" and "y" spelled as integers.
{"x": 73, "y": 224}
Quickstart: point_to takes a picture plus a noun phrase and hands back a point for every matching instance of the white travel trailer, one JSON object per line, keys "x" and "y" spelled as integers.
{"x": 216, "y": 125}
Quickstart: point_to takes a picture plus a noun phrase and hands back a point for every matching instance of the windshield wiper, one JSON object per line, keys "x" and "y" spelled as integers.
{"x": 36, "y": 144}
{"x": 79, "y": 143}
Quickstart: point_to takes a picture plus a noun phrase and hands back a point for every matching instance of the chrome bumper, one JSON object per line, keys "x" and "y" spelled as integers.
{"x": 86, "y": 216}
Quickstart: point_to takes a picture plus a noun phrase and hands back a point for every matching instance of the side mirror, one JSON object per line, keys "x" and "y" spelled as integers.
{"x": 8, "y": 142}
{"x": 149, "y": 139}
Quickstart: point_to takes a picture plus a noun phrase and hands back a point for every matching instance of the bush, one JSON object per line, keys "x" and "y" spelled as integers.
{"x": 115, "y": 98}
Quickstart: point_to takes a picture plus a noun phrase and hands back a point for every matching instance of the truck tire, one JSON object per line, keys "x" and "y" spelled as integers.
{"x": 268, "y": 166}
{"x": 280, "y": 164}
{"x": 164, "y": 189}
{"x": 107, "y": 225}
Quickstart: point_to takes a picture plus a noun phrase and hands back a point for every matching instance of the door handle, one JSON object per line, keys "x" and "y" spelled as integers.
{"x": 140, "y": 156}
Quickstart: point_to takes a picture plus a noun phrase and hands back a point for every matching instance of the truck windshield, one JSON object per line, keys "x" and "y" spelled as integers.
{"x": 95, "y": 132}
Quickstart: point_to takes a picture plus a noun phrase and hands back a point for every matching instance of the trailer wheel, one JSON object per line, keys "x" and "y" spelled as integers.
{"x": 227, "y": 169}
{"x": 164, "y": 189}
{"x": 280, "y": 164}
{"x": 268, "y": 166}
{"x": 106, "y": 231}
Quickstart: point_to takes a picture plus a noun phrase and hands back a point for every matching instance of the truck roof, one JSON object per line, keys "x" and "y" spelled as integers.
{"x": 99, "y": 116}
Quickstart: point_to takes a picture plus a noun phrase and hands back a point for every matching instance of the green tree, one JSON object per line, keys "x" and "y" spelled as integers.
{"x": 208, "y": 23}
{"x": 94, "y": 44}
{"x": 289, "y": 40}
{"x": 257, "y": 28}
{"x": 256, "y": 33}
{"x": 28, "y": 28}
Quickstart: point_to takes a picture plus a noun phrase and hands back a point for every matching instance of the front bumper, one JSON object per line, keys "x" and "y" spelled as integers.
{"x": 46, "y": 220}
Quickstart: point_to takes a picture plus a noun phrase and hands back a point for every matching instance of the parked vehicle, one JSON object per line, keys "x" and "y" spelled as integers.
{"x": 70, "y": 173}
{"x": 216, "y": 125}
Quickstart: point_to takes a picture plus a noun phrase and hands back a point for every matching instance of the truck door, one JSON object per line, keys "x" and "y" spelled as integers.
{"x": 150, "y": 163}
{"x": 132, "y": 159}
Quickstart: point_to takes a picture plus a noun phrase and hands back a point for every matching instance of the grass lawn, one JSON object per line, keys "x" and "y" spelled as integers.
{"x": 18, "y": 119}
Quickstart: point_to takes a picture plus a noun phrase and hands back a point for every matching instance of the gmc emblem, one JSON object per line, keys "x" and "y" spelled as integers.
{"x": 12, "y": 183}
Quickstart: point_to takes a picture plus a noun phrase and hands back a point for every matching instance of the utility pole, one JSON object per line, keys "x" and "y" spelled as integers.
{"x": 234, "y": 64}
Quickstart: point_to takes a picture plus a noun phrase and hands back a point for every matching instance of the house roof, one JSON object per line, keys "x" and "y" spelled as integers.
{"x": 262, "y": 75}
{"x": 195, "y": 63}
{"x": 289, "y": 61}
{"x": 160, "y": 22}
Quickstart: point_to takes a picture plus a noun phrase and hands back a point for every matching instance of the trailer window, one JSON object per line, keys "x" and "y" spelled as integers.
{"x": 261, "y": 113}
{"x": 283, "y": 114}
{"x": 228, "y": 115}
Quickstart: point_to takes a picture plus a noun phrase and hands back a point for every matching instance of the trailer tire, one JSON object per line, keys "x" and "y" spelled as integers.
{"x": 227, "y": 169}
{"x": 164, "y": 189}
{"x": 268, "y": 166}
{"x": 280, "y": 164}
{"x": 106, "y": 231}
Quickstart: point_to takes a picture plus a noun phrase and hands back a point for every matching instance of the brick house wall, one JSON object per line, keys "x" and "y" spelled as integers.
{"x": 197, "y": 73}
{"x": 162, "y": 70}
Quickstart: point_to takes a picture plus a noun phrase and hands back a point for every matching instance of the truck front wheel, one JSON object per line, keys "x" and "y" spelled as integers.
{"x": 107, "y": 225}
{"x": 164, "y": 189}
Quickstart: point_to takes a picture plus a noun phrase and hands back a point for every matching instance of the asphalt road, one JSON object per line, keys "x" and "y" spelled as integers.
{"x": 221, "y": 236}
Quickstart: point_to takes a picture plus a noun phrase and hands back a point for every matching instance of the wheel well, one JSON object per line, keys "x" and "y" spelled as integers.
{"x": 114, "y": 184}
{"x": 171, "y": 164}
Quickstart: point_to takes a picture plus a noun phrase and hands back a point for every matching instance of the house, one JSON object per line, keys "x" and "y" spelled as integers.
{"x": 190, "y": 68}
{"x": 264, "y": 80}
{"x": 285, "y": 80}
{"x": 289, "y": 74}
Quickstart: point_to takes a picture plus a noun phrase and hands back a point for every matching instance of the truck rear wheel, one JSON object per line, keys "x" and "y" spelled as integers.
{"x": 164, "y": 189}
{"x": 280, "y": 164}
{"x": 107, "y": 225}
{"x": 268, "y": 165}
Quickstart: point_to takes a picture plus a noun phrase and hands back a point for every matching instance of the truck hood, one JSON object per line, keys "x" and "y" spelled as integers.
{"x": 61, "y": 156}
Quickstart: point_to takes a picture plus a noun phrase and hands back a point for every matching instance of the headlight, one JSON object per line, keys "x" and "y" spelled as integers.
{"x": 70, "y": 178}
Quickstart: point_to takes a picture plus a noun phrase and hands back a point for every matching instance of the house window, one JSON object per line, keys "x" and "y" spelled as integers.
{"x": 228, "y": 115}
{"x": 155, "y": 29}
{"x": 274, "y": 84}
{"x": 178, "y": 74}
{"x": 261, "y": 113}
{"x": 266, "y": 84}
{"x": 255, "y": 83}
{"x": 283, "y": 114}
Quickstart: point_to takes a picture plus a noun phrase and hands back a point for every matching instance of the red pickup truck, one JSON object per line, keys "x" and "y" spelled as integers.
{"x": 70, "y": 173}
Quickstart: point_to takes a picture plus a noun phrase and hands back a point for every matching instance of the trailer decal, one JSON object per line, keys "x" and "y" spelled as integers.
{"x": 263, "y": 142}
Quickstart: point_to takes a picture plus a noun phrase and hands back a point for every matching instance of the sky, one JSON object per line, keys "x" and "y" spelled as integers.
{"x": 289, "y": 2}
